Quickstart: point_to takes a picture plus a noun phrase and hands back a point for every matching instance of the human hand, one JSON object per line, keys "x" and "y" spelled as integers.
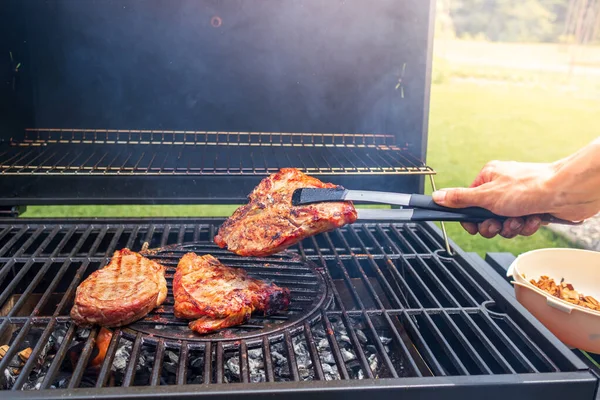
{"x": 510, "y": 189}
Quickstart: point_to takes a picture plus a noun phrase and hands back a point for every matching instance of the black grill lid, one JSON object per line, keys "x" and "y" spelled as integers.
{"x": 334, "y": 72}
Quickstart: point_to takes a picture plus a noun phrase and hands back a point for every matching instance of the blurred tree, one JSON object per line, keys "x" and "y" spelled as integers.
{"x": 582, "y": 21}
{"x": 511, "y": 20}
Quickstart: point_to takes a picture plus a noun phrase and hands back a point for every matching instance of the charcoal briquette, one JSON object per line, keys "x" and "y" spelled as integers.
{"x": 361, "y": 336}
{"x": 197, "y": 362}
{"x": 347, "y": 355}
{"x": 170, "y": 355}
{"x": 385, "y": 340}
{"x": 371, "y": 348}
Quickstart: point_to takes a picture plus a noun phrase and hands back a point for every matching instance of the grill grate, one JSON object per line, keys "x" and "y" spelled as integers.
{"x": 105, "y": 152}
{"x": 305, "y": 281}
{"x": 400, "y": 309}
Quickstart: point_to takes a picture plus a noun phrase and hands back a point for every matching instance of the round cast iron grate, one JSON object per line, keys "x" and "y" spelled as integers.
{"x": 305, "y": 280}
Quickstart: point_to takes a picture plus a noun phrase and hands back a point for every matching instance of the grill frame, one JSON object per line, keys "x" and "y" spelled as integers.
{"x": 345, "y": 250}
{"x": 158, "y": 153}
{"x": 92, "y": 166}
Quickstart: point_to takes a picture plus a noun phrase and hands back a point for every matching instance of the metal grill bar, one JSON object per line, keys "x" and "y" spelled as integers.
{"x": 43, "y": 245}
{"x": 12, "y": 350}
{"x": 58, "y": 358}
{"x": 266, "y": 349}
{"x": 115, "y": 239}
{"x": 8, "y": 267}
{"x": 182, "y": 370}
{"x": 46, "y": 296}
{"x": 466, "y": 344}
{"x": 244, "y": 368}
{"x": 356, "y": 345}
{"x": 439, "y": 337}
{"x": 405, "y": 352}
{"x": 437, "y": 283}
{"x": 488, "y": 344}
{"x": 531, "y": 345}
{"x": 71, "y": 290}
{"x": 83, "y": 359}
{"x": 391, "y": 294}
{"x": 13, "y": 240}
{"x": 103, "y": 375}
{"x": 379, "y": 345}
{"x": 405, "y": 289}
{"x": 400, "y": 239}
{"x": 34, "y": 356}
{"x": 312, "y": 349}
{"x": 133, "y": 361}
{"x": 35, "y": 136}
{"x": 339, "y": 360}
{"x": 219, "y": 367}
{"x": 165, "y": 158}
{"x": 25, "y": 296}
{"x": 207, "y": 363}
{"x": 99, "y": 238}
{"x": 516, "y": 352}
{"x": 345, "y": 274}
{"x": 132, "y": 237}
{"x": 13, "y": 284}
{"x": 421, "y": 285}
{"x": 426, "y": 352}
{"x": 29, "y": 241}
{"x": 158, "y": 363}
{"x": 292, "y": 365}
{"x": 453, "y": 281}
{"x": 68, "y": 235}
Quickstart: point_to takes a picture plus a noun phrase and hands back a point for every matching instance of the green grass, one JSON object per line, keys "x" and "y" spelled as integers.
{"x": 582, "y": 85}
{"x": 470, "y": 124}
{"x": 129, "y": 211}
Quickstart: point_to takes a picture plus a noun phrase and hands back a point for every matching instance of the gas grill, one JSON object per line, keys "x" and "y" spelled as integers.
{"x": 193, "y": 102}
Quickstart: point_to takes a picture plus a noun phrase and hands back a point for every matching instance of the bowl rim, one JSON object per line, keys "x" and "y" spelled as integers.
{"x": 514, "y": 270}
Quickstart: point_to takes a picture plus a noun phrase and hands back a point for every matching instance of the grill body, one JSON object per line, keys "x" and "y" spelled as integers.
{"x": 397, "y": 317}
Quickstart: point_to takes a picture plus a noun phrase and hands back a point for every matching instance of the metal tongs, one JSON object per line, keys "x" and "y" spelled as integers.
{"x": 422, "y": 207}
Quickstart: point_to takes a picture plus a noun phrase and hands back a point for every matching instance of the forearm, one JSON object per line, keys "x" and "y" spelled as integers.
{"x": 576, "y": 181}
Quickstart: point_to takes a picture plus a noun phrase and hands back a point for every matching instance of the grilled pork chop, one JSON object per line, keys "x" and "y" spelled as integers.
{"x": 127, "y": 289}
{"x": 217, "y": 297}
{"x": 269, "y": 223}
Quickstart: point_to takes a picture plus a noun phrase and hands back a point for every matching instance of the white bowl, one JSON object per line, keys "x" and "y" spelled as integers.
{"x": 574, "y": 325}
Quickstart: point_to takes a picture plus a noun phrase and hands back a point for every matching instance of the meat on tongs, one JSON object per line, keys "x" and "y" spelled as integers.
{"x": 269, "y": 223}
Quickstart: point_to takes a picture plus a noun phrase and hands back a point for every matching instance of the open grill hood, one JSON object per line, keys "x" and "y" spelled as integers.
{"x": 212, "y": 94}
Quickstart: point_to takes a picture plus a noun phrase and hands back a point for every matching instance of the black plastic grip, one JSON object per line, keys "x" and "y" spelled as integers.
{"x": 314, "y": 195}
{"x": 443, "y": 216}
{"x": 426, "y": 202}
{"x": 473, "y": 214}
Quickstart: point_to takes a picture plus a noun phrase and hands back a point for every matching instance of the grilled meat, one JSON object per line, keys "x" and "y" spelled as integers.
{"x": 217, "y": 297}
{"x": 269, "y": 223}
{"x": 127, "y": 289}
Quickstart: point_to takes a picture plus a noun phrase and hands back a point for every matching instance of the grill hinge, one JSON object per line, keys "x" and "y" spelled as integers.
{"x": 12, "y": 211}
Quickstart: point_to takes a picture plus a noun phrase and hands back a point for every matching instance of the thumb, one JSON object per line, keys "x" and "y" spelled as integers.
{"x": 457, "y": 197}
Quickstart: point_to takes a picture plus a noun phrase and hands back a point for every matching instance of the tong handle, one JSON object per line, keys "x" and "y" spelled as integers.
{"x": 443, "y": 216}
{"x": 426, "y": 203}
{"x": 472, "y": 214}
